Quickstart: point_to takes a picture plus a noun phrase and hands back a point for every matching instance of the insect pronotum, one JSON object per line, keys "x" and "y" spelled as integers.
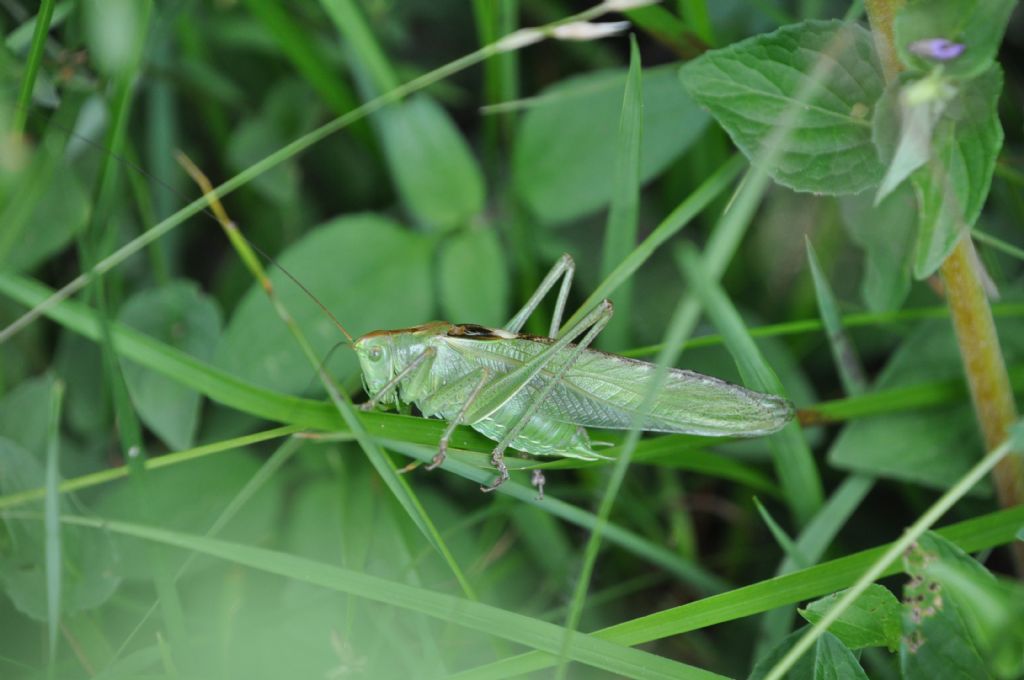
{"x": 538, "y": 394}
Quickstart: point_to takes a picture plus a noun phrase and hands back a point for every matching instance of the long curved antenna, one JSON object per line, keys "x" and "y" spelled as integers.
{"x": 245, "y": 251}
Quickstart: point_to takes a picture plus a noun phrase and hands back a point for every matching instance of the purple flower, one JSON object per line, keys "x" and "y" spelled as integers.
{"x": 938, "y": 49}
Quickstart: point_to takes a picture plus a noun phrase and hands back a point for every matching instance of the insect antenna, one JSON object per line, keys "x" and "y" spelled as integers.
{"x": 237, "y": 238}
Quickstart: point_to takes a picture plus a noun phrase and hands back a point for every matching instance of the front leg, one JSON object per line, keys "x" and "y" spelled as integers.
{"x": 482, "y": 375}
{"x": 426, "y": 356}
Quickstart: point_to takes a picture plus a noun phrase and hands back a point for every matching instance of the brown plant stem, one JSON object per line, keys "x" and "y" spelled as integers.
{"x": 983, "y": 364}
{"x": 970, "y": 313}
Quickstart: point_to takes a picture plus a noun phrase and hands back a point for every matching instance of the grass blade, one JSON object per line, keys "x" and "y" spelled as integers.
{"x": 794, "y": 463}
{"x": 385, "y": 467}
{"x": 524, "y": 630}
{"x": 997, "y": 528}
{"x": 879, "y": 567}
{"x": 286, "y": 152}
{"x": 621, "y": 227}
{"x": 51, "y": 511}
{"x": 681, "y": 216}
{"x": 35, "y": 58}
{"x": 844, "y": 354}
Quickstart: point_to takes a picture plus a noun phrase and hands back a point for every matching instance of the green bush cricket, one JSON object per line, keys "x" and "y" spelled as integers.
{"x": 537, "y": 394}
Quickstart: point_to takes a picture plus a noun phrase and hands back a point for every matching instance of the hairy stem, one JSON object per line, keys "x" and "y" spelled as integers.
{"x": 970, "y": 313}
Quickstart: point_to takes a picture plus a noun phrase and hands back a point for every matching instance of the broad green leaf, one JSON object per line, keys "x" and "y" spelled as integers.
{"x": 993, "y": 609}
{"x": 873, "y": 620}
{"x": 59, "y": 214}
{"x": 937, "y": 641}
{"x": 886, "y": 233}
{"x": 952, "y": 188}
{"x": 180, "y": 315}
{"x": 89, "y": 558}
{"x": 564, "y": 158}
{"x": 209, "y": 484}
{"x": 945, "y": 439}
{"x": 976, "y": 24}
{"x": 828, "y": 659}
{"x": 113, "y": 29}
{"x": 434, "y": 170}
{"x": 366, "y": 269}
{"x": 473, "y": 278}
{"x": 87, "y": 407}
{"x": 24, "y": 414}
{"x": 801, "y": 97}
{"x": 262, "y": 132}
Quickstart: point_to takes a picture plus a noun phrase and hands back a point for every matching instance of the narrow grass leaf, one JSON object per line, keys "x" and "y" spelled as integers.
{"x": 507, "y": 625}
{"x": 844, "y": 354}
{"x": 997, "y": 528}
{"x": 283, "y": 154}
{"x": 567, "y": 144}
{"x": 687, "y": 571}
{"x": 886, "y": 560}
{"x": 794, "y": 463}
{"x": 51, "y": 511}
{"x": 306, "y": 54}
{"x": 35, "y": 59}
{"x": 681, "y": 325}
{"x": 787, "y": 544}
{"x": 369, "y": 56}
{"x": 624, "y": 212}
{"x": 92, "y": 479}
{"x": 691, "y": 206}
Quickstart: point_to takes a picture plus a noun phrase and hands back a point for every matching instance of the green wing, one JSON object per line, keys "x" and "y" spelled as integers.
{"x": 606, "y": 391}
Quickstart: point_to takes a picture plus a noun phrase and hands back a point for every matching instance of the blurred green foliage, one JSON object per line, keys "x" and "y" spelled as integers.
{"x": 453, "y": 202}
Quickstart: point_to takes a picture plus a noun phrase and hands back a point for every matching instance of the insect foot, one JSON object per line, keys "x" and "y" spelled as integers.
{"x": 498, "y": 460}
{"x": 442, "y": 453}
{"x": 537, "y": 480}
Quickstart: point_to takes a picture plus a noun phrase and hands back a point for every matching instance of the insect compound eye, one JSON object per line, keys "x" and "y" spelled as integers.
{"x": 375, "y": 353}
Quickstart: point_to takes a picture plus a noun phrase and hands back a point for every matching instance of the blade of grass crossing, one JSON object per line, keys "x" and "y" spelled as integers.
{"x": 35, "y": 59}
{"x": 367, "y": 51}
{"x": 825, "y": 525}
{"x": 295, "y": 42}
{"x": 844, "y": 354}
{"x": 306, "y": 413}
{"x": 681, "y": 325}
{"x": 514, "y": 41}
{"x": 794, "y": 463}
{"x": 787, "y": 544}
{"x": 385, "y": 467}
{"x": 525, "y": 630}
{"x": 52, "y": 529}
{"x": 110, "y": 474}
{"x": 857, "y": 320}
{"x": 890, "y": 556}
{"x": 277, "y": 459}
{"x": 687, "y": 571}
{"x": 621, "y": 227}
{"x": 996, "y": 528}
{"x": 681, "y": 216}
